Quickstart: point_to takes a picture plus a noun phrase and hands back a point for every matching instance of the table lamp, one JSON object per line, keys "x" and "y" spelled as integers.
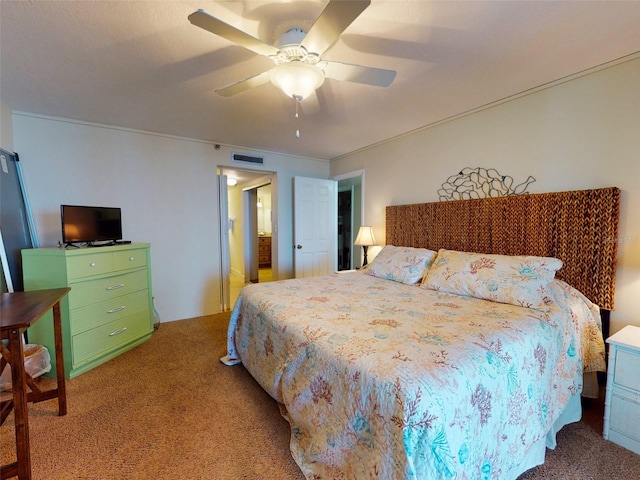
{"x": 365, "y": 239}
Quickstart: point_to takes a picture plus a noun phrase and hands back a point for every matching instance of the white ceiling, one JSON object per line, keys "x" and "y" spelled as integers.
{"x": 142, "y": 65}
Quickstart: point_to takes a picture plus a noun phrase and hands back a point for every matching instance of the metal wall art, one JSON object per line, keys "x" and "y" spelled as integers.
{"x": 481, "y": 183}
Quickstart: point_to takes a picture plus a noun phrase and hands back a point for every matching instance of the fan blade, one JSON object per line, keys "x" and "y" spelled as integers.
{"x": 310, "y": 104}
{"x": 203, "y": 20}
{"x": 333, "y": 20}
{"x": 244, "y": 85}
{"x": 346, "y": 72}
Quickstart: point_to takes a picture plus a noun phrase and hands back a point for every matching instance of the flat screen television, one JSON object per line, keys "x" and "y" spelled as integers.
{"x": 83, "y": 224}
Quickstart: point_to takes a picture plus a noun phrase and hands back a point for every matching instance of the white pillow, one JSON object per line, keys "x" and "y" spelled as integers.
{"x": 517, "y": 280}
{"x": 401, "y": 264}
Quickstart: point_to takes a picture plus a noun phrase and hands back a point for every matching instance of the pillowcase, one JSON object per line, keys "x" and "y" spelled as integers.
{"x": 517, "y": 280}
{"x": 401, "y": 264}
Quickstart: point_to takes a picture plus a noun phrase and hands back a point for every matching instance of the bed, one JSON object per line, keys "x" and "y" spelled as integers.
{"x": 459, "y": 353}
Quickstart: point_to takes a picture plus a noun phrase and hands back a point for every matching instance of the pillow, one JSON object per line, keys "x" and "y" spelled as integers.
{"x": 517, "y": 280}
{"x": 401, "y": 264}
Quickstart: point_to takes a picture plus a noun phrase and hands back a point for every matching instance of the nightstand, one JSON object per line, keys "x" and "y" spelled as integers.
{"x": 622, "y": 400}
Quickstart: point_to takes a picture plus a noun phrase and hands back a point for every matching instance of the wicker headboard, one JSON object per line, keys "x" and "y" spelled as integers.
{"x": 578, "y": 227}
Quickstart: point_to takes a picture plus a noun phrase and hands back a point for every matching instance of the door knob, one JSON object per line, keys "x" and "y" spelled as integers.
{"x": 298, "y": 247}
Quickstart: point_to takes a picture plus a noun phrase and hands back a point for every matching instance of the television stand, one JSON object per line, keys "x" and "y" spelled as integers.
{"x": 110, "y": 243}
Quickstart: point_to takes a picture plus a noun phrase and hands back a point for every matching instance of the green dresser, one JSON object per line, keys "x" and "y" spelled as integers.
{"x": 109, "y": 309}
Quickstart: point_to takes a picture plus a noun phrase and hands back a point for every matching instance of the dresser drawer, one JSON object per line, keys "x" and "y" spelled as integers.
{"x": 129, "y": 259}
{"x": 107, "y": 337}
{"x": 90, "y": 292}
{"x": 626, "y": 369}
{"x": 94, "y": 315}
{"x": 625, "y": 415}
{"x": 87, "y": 265}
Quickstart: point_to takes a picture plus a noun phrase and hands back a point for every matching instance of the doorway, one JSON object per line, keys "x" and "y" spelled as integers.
{"x": 345, "y": 226}
{"x": 250, "y": 199}
{"x": 350, "y": 218}
{"x": 257, "y": 234}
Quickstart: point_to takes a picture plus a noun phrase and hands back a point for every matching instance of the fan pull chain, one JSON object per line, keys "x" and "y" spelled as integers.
{"x": 297, "y": 98}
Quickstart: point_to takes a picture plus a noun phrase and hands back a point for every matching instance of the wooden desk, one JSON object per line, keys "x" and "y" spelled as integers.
{"x": 17, "y": 312}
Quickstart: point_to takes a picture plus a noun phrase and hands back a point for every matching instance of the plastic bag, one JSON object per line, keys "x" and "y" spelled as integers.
{"x": 37, "y": 361}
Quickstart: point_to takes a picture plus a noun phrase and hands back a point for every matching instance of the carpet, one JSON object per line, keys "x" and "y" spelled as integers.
{"x": 169, "y": 409}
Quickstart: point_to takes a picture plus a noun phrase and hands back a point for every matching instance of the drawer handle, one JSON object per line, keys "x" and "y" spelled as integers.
{"x": 116, "y": 309}
{"x": 131, "y": 259}
{"x": 116, "y": 286}
{"x": 118, "y": 332}
{"x": 92, "y": 264}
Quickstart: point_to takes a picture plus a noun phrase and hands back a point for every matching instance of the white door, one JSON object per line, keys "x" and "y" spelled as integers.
{"x": 250, "y": 238}
{"x": 225, "y": 269}
{"x": 315, "y": 220}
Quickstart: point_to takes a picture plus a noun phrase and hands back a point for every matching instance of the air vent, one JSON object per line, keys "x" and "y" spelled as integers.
{"x": 241, "y": 157}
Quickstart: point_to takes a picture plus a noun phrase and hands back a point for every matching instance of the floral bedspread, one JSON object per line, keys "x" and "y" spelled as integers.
{"x": 384, "y": 380}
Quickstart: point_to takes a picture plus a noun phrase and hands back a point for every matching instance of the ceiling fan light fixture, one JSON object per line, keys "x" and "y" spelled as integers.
{"x": 297, "y": 79}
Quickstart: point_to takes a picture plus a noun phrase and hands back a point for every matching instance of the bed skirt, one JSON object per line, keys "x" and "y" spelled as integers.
{"x": 535, "y": 457}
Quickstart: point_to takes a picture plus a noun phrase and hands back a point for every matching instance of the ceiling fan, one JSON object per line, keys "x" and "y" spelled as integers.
{"x": 299, "y": 69}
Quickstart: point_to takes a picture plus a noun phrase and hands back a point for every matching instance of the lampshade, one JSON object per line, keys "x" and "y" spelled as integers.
{"x": 365, "y": 237}
{"x": 297, "y": 79}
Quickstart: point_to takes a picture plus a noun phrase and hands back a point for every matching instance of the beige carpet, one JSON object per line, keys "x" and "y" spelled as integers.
{"x": 169, "y": 410}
